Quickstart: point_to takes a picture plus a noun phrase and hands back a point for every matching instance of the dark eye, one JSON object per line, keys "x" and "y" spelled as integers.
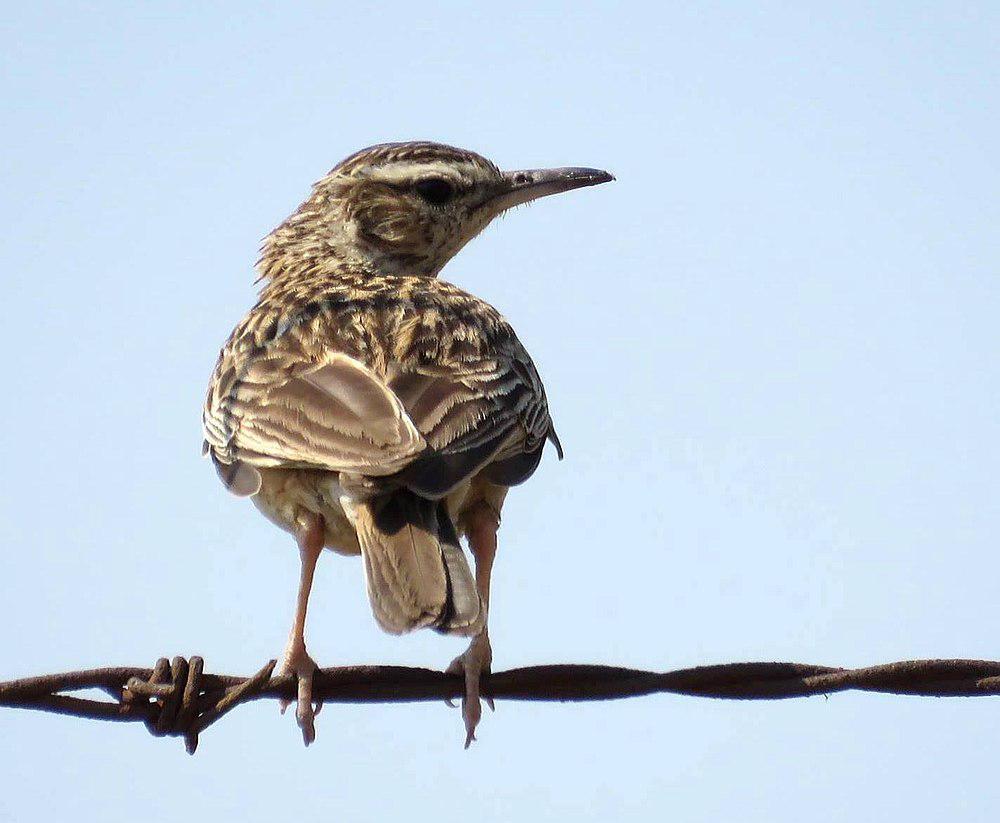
{"x": 435, "y": 190}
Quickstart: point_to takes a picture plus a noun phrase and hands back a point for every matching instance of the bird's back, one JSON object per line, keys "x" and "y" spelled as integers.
{"x": 454, "y": 363}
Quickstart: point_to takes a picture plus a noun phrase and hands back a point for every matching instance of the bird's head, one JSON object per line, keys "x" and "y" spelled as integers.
{"x": 406, "y": 208}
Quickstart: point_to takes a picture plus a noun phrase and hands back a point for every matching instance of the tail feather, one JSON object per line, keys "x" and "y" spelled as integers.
{"x": 415, "y": 570}
{"x": 465, "y": 613}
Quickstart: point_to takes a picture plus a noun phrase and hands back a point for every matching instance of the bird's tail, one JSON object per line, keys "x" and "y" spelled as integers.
{"x": 415, "y": 569}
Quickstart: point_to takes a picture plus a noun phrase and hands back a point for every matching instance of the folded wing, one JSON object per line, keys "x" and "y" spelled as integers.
{"x": 485, "y": 415}
{"x": 337, "y": 415}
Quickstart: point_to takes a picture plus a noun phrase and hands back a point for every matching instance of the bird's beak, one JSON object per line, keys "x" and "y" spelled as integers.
{"x": 519, "y": 187}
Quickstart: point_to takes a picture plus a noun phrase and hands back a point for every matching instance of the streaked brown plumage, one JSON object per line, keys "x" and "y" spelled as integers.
{"x": 368, "y": 407}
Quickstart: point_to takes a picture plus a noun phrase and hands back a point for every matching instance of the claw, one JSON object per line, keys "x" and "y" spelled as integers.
{"x": 471, "y": 714}
{"x": 472, "y": 664}
{"x": 296, "y": 660}
{"x": 305, "y": 714}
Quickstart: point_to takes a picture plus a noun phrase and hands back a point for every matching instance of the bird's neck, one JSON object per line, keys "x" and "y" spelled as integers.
{"x": 306, "y": 248}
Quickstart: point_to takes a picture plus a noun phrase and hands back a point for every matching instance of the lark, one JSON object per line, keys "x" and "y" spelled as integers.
{"x": 368, "y": 407}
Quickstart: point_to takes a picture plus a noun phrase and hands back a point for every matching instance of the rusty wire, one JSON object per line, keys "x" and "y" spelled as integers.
{"x": 177, "y": 698}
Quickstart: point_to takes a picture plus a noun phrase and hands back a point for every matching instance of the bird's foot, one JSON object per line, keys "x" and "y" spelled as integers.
{"x": 472, "y": 663}
{"x": 296, "y": 660}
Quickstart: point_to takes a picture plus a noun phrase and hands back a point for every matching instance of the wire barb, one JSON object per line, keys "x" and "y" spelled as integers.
{"x": 177, "y": 698}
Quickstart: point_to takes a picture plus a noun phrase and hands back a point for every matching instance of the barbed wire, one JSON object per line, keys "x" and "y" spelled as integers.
{"x": 178, "y": 698}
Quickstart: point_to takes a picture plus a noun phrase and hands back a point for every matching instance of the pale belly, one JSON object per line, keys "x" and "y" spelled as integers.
{"x": 288, "y": 496}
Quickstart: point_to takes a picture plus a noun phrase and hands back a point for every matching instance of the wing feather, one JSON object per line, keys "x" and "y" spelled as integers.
{"x": 473, "y": 415}
{"x": 338, "y": 415}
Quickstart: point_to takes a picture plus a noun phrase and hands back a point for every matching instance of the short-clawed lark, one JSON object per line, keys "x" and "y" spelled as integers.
{"x": 367, "y": 407}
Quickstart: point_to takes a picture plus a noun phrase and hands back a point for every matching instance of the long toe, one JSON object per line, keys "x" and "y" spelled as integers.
{"x": 471, "y": 665}
{"x": 305, "y": 713}
{"x": 296, "y": 660}
{"x": 472, "y": 712}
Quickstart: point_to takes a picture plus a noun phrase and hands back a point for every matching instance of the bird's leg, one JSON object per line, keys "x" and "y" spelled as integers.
{"x": 481, "y": 527}
{"x": 295, "y": 657}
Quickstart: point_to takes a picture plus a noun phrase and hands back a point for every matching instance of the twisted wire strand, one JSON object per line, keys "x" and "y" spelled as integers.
{"x": 178, "y": 698}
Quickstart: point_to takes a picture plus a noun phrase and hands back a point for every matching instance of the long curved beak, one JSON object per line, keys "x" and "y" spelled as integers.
{"x": 524, "y": 186}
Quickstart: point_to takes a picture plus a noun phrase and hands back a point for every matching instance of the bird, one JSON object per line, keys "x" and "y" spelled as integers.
{"x": 371, "y": 408}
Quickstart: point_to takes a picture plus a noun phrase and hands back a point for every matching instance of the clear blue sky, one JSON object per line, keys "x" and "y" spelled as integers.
{"x": 771, "y": 349}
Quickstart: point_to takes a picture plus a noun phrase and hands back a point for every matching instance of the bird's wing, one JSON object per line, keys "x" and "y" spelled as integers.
{"x": 486, "y": 413}
{"x": 336, "y": 414}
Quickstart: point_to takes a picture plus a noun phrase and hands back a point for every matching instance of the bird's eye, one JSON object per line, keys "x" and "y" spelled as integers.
{"x": 435, "y": 190}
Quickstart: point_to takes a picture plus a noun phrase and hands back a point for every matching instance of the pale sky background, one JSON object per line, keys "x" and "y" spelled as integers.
{"x": 771, "y": 350}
